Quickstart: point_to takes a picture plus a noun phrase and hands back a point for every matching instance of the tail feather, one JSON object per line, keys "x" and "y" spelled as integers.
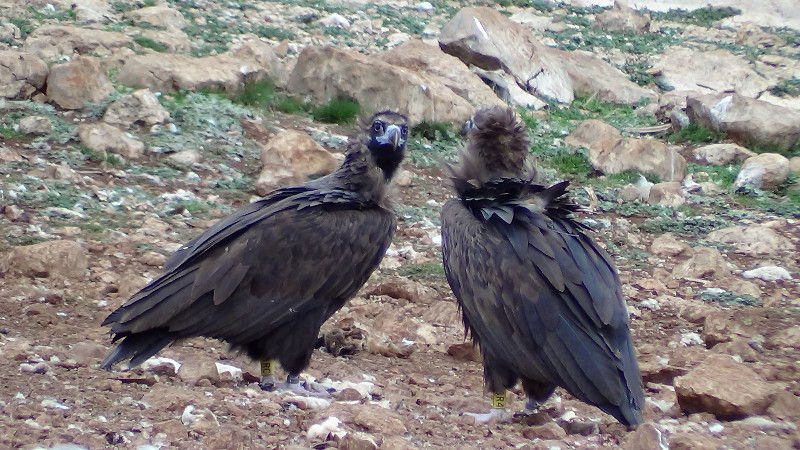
{"x": 138, "y": 347}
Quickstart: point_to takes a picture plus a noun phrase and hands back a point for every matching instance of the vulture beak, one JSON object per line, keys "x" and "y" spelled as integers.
{"x": 391, "y": 136}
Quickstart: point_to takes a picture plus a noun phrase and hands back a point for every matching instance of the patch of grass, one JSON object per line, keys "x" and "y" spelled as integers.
{"x": 593, "y": 40}
{"x": 265, "y": 95}
{"x": 64, "y": 15}
{"x": 147, "y": 42}
{"x": 696, "y": 134}
{"x": 402, "y": 20}
{"x": 99, "y": 156}
{"x": 722, "y": 176}
{"x": 539, "y": 5}
{"x": 704, "y": 17}
{"x": 574, "y": 164}
{"x": 423, "y": 271}
{"x": 25, "y": 26}
{"x": 11, "y": 133}
{"x": 728, "y": 298}
{"x": 340, "y": 110}
{"x": 787, "y": 88}
{"x": 637, "y": 72}
{"x": 432, "y": 142}
{"x": 279, "y": 34}
{"x": 692, "y": 225}
{"x": 580, "y": 21}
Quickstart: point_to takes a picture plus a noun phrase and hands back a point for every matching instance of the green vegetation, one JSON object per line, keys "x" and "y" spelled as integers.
{"x": 402, "y": 20}
{"x": 25, "y": 26}
{"x": 704, "y": 17}
{"x": 146, "y": 42}
{"x": 696, "y": 134}
{"x": 99, "y": 156}
{"x": 722, "y": 176}
{"x": 539, "y": 5}
{"x": 279, "y": 34}
{"x": 431, "y": 143}
{"x": 67, "y": 14}
{"x": 635, "y": 43}
{"x": 340, "y": 110}
{"x": 728, "y": 298}
{"x": 10, "y": 133}
{"x": 265, "y": 95}
{"x": 423, "y": 271}
{"x": 787, "y": 88}
{"x": 637, "y": 72}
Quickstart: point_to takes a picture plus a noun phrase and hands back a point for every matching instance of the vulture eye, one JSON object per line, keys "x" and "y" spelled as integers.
{"x": 377, "y": 126}
{"x": 404, "y": 131}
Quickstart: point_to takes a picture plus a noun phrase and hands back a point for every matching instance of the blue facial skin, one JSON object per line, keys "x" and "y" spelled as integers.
{"x": 393, "y": 135}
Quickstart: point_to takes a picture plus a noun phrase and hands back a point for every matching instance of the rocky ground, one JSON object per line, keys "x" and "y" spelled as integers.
{"x": 126, "y": 128}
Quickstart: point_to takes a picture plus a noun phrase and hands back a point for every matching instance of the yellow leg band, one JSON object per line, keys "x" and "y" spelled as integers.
{"x": 267, "y": 367}
{"x": 499, "y": 400}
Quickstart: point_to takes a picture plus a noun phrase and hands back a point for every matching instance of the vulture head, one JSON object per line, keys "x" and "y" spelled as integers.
{"x": 497, "y": 146}
{"x": 388, "y": 131}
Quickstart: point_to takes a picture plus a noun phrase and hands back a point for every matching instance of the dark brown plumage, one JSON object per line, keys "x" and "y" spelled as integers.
{"x": 540, "y": 297}
{"x": 265, "y": 278}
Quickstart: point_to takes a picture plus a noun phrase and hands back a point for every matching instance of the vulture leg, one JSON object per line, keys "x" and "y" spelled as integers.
{"x": 537, "y": 393}
{"x": 498, "y": 379}
{"x": 267, "y": 382}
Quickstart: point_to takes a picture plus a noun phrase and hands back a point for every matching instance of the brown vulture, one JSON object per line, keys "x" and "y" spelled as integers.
{"x": 538, "y": 295}
{"x": 265, "y": 278}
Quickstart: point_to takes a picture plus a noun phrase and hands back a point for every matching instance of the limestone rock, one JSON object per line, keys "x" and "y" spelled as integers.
{"x": 752, "y": 240}
{"x": 592, "y": 131}
{"x": 413, "y": 291}
{"x": 485, "y": 38}
{"x": 746, "y": 119}
{"x": 764, "y": 171}
{"x": 794, "y": 164}
{"x": 787, "y": 338}
{"x": 708, "y": 72}
{"x": 646, "y": 436}
{"x": 768, "y": 273}
{"x": 187, "y": 157}
{"x": 432, "y": 62}
{"x": 193, "y": 371}
{"x": 667, "y": 194}
{"x": 21, "y": 74}
{"x": 158, "y": 16}
{"x": 705, "y": 263}
{"x": 80, "y": 80}
{"x": 291, "y": 157}
{"x": 375, "y": 419}
{"x": 38, "y": 125}
{"x": 725, "y": 326}
{"x": 62, "y": 258}
{"x": 507, "y": 89}
{"x": 53, "y": 42}
{"x": 667, "y": 246}
{"x": 107, "y": 138}
{"x": 175, "y": 41}
{"x": 621, "y": 18}
{"x": 786, "y": 406}
{"x": 645, "y": 155}
{"x": 248, "y": 60}
{"x": 722, "y": 154}
{"x": 139, "y": 106}
{"x": 723, "y": 387}
{"x": 326, "y": 73}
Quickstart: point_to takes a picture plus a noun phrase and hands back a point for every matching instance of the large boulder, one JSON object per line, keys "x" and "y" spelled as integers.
{"x": 327, "y": 73}
{"x": 249, "y": 60}
{"x": 54, "y": 42}
{"x": 158, "y": 16}
{"x": 725, "y": 388}
{"x": 292, "y": 157}
{"x": 485, "y": 38}
{"x": 21, "y": 74}
{"x": 647, "y": 156}
{"x": 764, "y": 171}
{"x": 722, "y": 154}
{"x": 139, "y": 106}
{"x": 432, "y": 62}
{"x": 63, "y": 258}
{"x": 621, "y": 18}
{"x": 106, "y": 138}
{"x": 746, "y": 119}
{"x": 83, "y": 79}
{"x": 753, "y": 240}
{"x": 708, "y": 72}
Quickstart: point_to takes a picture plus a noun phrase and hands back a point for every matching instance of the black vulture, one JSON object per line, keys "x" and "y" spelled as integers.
{"x": 265, "y": 278}
{"x": 540, "y": 297}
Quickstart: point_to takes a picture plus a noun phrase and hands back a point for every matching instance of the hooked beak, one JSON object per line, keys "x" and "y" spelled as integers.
{"x": 391, "y": 136}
